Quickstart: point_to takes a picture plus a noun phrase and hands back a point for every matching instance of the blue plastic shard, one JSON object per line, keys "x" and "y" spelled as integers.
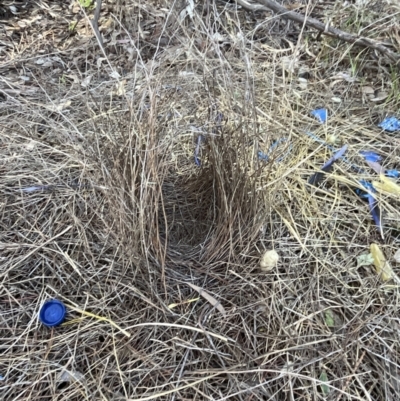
{"x": 392, "y": 173}
{"x": 265, "y": 157}
{"x": 320, "y": 114}
{"x": 340, "y": 153}
{"x": 380, "y": 170}
{"x": 376, "y": 167}
{"x": 370, "y": 156}
{"x": 390, "y": 124}
{"x": 375, "y": 212}
{"x": 197, "y": 160}
{"x": 262, "y": 156}
{"x": 319, "y": 140}
{"x": 368, "y": 186}
{"x": 329, "y": 164}
{"x": 327, "y": 167}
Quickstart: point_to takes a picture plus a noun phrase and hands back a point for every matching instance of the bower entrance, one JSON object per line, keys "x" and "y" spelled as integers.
{"x": 209, "y": 214}
{"x": 190, "y": 214}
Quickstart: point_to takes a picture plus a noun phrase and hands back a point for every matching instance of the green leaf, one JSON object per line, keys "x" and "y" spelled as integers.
{"x": 324, "y": 378}
{"x": 86, "y": 4}
{"x": 72, "y": 26}
{"x": 329, "y": 318}
{"x": 365, "y": 259}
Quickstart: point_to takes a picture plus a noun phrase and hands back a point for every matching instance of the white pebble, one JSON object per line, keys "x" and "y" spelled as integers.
{"x": 269, "y": 260}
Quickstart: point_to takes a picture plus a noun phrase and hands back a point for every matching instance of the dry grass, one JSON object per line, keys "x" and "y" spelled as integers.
{"x": 127, "y": 220}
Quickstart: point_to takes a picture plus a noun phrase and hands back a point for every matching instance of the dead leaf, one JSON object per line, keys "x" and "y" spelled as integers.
{"x": 382, "y": 266}
{"x": 59, "y": 107}
{"x": 344, "y": 76}
{"x": 368, "y": 90}
{"x": 188, "y": 10}
{"x": 85, "y": 83}
{"x": 30, "y": 145}
{"x": 209, "y": 298}
{"x": 71, "y": 376}
{"x": 73, "y": 77}
{"x": 188, "y": 301}
{"x": 290, "y": 64}
{"x": 218, "y": 37}
{"x": 396, "y": 256}
{"x": 44, "y": 62}
{"x": 382, "y": 95}
{"x": 120, "y": 88}
{"x": 115, "y": 75}
{"x": 100, "y": 61}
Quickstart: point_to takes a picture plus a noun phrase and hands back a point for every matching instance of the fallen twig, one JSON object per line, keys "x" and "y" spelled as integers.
{"x": 95, "y": 23}
{"x": 320, "y": 26}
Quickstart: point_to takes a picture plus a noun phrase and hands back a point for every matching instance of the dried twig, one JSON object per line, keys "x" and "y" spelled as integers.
{"x": 320, "y": 26}
{"x": 95, "y": 23}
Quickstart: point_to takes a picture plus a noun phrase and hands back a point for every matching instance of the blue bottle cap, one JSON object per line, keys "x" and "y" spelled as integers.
{"x": 52, "y": 313}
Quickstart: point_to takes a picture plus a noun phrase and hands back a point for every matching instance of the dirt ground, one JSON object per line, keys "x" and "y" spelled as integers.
{"x": 143, "y": 179}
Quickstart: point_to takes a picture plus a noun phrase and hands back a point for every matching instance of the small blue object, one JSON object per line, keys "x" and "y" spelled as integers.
{"x": 375, "y": 212}
{"x": 327, "y": 167}
{"x": 370, "y": 156}
{"x": 52, "y": 313}
{"x": 320, "y": 114}
{"x": 262, "y": 156}
{"x": 200, "y": 139}
{"x": 265, "y": 157}
{"x": 368, "y": 186}
{"x": 390, "y": 124}
{"x": 392, "y": 173}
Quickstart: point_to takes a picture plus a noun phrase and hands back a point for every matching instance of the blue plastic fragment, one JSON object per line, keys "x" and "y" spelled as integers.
{"x": 327, "y": 167}
{"x": 197, "y": 160}
{"x": 392, "y": 173}
{"x": 370, "y": 159}
{"x": 368, "y": 186}
{"x": 370, "y": 156}
{"x": 262, "y": 156}
{"x": 375, "y": 212}
{"x": 265, "y": 156}
{"x": 390, "y": 124}
{"x": 320, "y": 114}
{"x": 2, "y": 377}
{"x": 339, "y": 154}
{"x": 319, "y": 140}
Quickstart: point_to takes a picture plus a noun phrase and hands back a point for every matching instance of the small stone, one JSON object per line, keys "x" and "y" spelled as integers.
{"x": 368, "y": 90}
{"x": 382, "y": 95}
{"x": 269, "y": 260}
{"x": 303, "y": 83}
{"x": 396, "y": 256}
